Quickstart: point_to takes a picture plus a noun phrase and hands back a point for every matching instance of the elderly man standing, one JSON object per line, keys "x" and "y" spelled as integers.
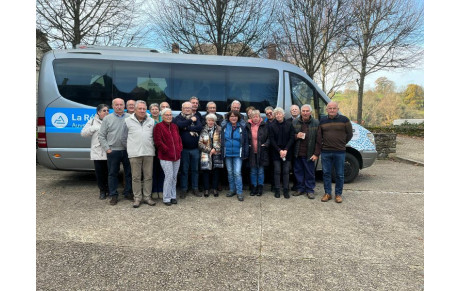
{"x": 110, "y": 139}
{"x": 164, "y": 105}
{"x": 295, "y": 112}
{"x": 130, "y": 106}
{"x": 137, "y": 137}
{"x": 306, "y": 128}
{"x": 334, "y": 132}
{"x": 211, "y": 107}
{"x": 189, "y": 130}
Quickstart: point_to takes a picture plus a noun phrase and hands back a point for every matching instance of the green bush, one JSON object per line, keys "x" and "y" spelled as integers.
{"x": 404, "y": 129}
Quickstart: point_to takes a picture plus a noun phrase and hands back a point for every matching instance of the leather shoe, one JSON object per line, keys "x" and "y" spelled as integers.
{"x": 326, "y": 198}
{"x": 114, "y": 200}
{"x": 173, "y": 201}
{"x": 206, "y": 193}
{"x": 182, "y": 194}
{"x": 149, "y": 201}
{"x": 338, "y": 198}
{"x": 196, "y": 193}
{"x": 240, "y": 197}
{"x": 102, "y": 196}
{"x": 167, "y": 203}
{"x": 230, "y": 194}
{"x": 137, "y": 203}
{"x": 311, "y": 196}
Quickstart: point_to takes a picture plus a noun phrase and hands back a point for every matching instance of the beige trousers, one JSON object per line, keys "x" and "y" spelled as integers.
{"x": 142, "y": 167}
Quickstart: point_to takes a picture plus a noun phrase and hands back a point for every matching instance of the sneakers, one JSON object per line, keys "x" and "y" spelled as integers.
{"x": 326, "y": 197}
{"x": 338, "y": 198}
{"x": 297, "y": 193}
{"x": 311, "y": 196}
{"x": 114, "y": 200}
{"x": 102, "y": 196}
{"x": 149, "y": 201}
{"x": 137, "y": 203}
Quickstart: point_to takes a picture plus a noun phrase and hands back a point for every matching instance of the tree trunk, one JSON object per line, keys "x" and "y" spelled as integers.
{"x": 360, "y": 95}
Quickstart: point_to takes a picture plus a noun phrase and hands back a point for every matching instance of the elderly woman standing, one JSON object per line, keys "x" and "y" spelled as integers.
{"x": 259, "y": 143}
{"x": 155, "y": 112}
{"x": 211, "y": 158}
{"x": 281, "y": 134}
{"x": 166, "y": 137}
{"x": 98, "y": 155}
{"x": 234, "y": 149}
{"x": 158, "y": 176}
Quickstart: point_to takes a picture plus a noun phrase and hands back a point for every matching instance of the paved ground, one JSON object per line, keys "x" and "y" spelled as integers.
{"x": 374, "y": 240}
{"x": 410, "y": 149}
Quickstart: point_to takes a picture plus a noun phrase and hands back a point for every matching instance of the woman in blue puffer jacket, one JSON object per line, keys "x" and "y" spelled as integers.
{"x": 234, "y": 149}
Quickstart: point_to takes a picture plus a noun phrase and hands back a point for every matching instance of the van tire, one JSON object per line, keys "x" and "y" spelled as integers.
{"x": 351, "y": 169}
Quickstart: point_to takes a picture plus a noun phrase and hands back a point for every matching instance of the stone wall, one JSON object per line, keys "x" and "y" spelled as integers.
{"x": 385, "y": 144}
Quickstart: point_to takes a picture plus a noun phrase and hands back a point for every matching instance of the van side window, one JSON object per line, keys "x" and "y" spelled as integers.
{"x": 205, "y": 82}
{"x": 87, "y": 82}
{"x": 302, "y": 92}
{"x": 142, "y": 81}
{"x": 253, "y": 86}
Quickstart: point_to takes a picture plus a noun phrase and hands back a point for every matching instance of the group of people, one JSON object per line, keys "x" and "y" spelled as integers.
{"x": 159, "y": 149}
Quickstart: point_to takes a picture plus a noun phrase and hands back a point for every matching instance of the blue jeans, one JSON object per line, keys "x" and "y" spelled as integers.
{"x": 337, "y": 160}
{"x": 304, "y": 171}
{"x": 190, "y": 159}
{"x": 235, "y": 181}
{"x": 113, "y": 162}
{"x": 257, "y": 175}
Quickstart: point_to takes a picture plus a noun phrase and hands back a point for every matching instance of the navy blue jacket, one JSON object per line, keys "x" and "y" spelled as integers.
{"x": 189, "y": 131}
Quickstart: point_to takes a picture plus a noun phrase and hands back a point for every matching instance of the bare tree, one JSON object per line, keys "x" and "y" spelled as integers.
{"x": 311, "y": 34}
{"x": 96, "y": 22}
{"x": 222, "y": 27}
{"x": 387, "y": 34}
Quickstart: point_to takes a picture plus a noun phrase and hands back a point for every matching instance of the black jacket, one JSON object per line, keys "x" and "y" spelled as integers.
{"x": 263, "y": 158}
{"x": 281, "y": 138}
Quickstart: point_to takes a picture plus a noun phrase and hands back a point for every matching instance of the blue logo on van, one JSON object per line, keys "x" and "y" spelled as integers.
{"x": 67, "y": 119}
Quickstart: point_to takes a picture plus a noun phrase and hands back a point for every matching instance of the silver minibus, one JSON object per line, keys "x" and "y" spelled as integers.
{"x": 73, "y": 82}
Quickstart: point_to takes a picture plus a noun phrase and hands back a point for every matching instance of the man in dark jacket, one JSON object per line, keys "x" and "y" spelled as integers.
{"x": 334, "y": 132}
{"x": 189, "y": 130}
{"x": 211, "y": 107}
{"x": 306, "y": 128}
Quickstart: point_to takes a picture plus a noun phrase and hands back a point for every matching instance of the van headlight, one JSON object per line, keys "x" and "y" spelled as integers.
{"x": 370, "y": 136}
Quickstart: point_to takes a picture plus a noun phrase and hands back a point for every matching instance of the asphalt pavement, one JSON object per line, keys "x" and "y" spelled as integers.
{"x": 374, "y": 240}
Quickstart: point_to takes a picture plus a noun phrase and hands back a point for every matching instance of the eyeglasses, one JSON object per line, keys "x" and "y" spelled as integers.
{"x": 269, "y": 113}
{"x": 105, "y": 110}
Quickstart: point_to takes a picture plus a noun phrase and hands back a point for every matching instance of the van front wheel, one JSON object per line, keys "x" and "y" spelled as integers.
{"x": 351, "y": 169}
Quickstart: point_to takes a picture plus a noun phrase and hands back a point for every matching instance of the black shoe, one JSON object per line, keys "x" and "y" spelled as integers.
{"x": 167, "y": 203}
{"x": 129, "y": 197}
{"x": 214, "y": 192}
{"x": 286, "y": 193}
{"x": 102, "y": 196}
{"x": 206, "y": 193}
{"x": 114, "y": 200}
{"x": 311, "y": 196}
{"x": 230, "y": 194}
{"x": 173, "y": 201}
{"x": 240, "y": 197}
{"x": 196, "y": 193}
{"x": 253, "y": 191}
{"x": 182, "y": 194}
{"x": 277, "y": 193}
{"x": 260, "y": 190}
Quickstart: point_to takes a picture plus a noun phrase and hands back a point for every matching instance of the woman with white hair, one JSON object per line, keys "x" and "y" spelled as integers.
{"x": 281, "y": 134}
{"x": 166, "y": 137}
{"x": 210, "y": 156}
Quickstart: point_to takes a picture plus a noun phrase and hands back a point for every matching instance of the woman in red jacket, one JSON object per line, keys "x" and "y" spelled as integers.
{"x": 167, "y": 140}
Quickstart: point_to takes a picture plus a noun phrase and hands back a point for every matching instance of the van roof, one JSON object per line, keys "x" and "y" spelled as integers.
{"x": 145, "y": 54}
